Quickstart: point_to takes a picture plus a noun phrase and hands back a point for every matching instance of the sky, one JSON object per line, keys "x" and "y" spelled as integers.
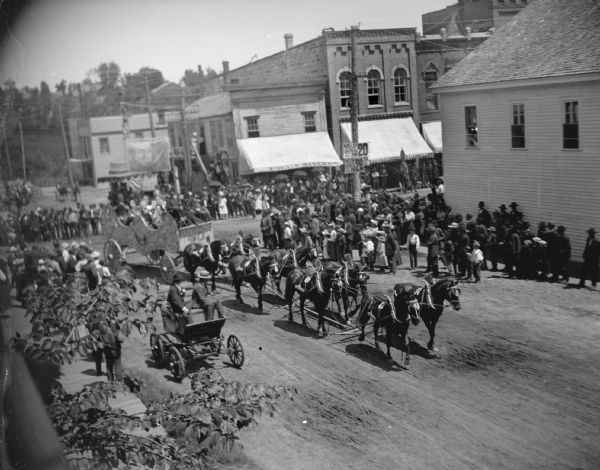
{"x": 53, "y": 40}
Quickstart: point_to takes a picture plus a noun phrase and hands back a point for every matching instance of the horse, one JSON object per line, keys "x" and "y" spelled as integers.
{"x": 339, "y": 273}
{"x": 252, "y": 270}
{"x": 393, "y": 315}
{"x": 354, "y": 283}
{"x": 314, "y": 286}
{"x": 210, "y": 257}
{"x": 285, "y": 261}
{"x": 442, "y": 290}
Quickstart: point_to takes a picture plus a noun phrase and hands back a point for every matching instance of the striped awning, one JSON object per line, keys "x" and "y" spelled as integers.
{"x": 388, "y": 137}
{"x": 286, "y": 152}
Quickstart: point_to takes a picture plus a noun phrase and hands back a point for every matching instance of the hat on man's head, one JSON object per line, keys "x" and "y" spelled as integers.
{"x": 373, "y": 221}
{"x": 179, "y": 277}
{"x": 453, "y": 225}
{"x": 476, "y": 244}
{"x": 591, "y": 231}
{"x": 502, "y": 206}
{"x": 491, "y": 229}
{"x": 513, "y": 204}
{"x": 12, "y": 249}
{"x": 95, "y": 254}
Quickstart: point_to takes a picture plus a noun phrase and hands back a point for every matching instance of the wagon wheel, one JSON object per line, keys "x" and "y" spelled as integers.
{"x": 176, "y": 364}
{"x": 167, "y": 268}
{"x": 154, "y": 256}
{"x": 235, "y": 351}
{"x": 113, "y": 255}
{"x": 158, "y": 349}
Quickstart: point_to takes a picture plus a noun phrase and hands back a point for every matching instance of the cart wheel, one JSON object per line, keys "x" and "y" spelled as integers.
{"x": 158, "y": 349}
{"x": 235, "y": 351}
{"x": 167, "y": 268}
{"x": 176, "y": 364}
{"x": 154, "y": 256}
{"x": 113, "y": 255}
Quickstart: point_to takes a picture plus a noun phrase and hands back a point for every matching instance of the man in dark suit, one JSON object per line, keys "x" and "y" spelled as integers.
{"x": 483, "y": 216}
{"x": 559, "y": 253}
{"x": 591, "y": 259}
{"x": 175, "y": 295}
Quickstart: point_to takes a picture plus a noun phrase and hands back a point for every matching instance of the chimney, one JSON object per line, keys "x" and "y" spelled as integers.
{"x": 225, "y": 71}
{"x": 289, "y": 40}
{"x": 468, "y": 31}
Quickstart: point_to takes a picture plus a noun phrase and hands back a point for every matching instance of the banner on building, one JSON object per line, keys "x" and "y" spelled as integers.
{"x": 148, "y": 155}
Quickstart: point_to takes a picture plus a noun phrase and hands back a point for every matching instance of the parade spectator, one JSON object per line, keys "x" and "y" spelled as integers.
{"x": 511, "y": 252}
{"x": 476, "y": 258}
{"x": 559, "y": 253}
{"x": 433, "y": 251}
{"x": 492, "y": 248}
{"x": 483, "y": 215}
{"x": 391, "y": 249}
{"x": 266, "y": 227}
{"x": 591, "y": 259}
{"x": 414, "y": 242}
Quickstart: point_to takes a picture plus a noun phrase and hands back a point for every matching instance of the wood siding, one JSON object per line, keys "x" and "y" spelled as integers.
{"x": 548, "y": 183}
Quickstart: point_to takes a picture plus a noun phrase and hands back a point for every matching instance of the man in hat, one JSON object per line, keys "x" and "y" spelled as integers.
{"x": 391, "y": 245}
{"x": 515, "y": 216}
{"x": 483, "y": 216}
{"x": 559, "y": 253}
{"x": 591, "y": 259}
{"x": 491, "y": 248}
{"x": 175, "y": 297}
{"x": 266, "y": 227}
{"x": 504, "y": 216}
{"x": 203, "y": 298}
{"x": 433, "y": 251}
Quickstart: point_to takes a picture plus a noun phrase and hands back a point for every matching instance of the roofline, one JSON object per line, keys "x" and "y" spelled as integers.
{"x": 523, "y": 82}
{"x": 234, "y": 88}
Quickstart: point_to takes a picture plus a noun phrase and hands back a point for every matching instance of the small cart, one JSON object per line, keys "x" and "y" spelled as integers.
{"x": 184, "y": 340}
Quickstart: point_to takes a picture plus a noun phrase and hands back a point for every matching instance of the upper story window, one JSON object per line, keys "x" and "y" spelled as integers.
{"x": 571, "y": 125}
{"x": 345, "y": 86}
{"x": 430, "y": 76}
{"x": 471, "y": 125}
{"x": 104, "y": 145}
{"x": 374, "y": 87}
{"x": 517, "y": 129}
{"x": 400, "y": 86}
{"x": 252, "y": 126}
{"x": 310, "y": 124}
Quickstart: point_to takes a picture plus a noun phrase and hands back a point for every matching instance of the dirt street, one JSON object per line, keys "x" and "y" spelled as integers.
{"x": 515, "y": 384}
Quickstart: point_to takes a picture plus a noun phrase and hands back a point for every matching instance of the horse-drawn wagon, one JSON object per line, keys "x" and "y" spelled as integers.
{"x": 188, "y": 338}
{"x": 154, "y": 243}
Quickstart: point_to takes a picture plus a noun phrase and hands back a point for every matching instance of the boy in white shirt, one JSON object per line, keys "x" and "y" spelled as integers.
{"x": 413, "y": 241}
{"x": 476, "y": 259}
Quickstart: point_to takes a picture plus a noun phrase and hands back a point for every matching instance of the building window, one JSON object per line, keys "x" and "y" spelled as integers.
{"x": 430, "y": 76}
{"x": 310, "y": 124}
{"x": 517, "y": 129}
{"x": 138, "y": 134}
{"x": 161, "y": 118}
{"x": 345, "y": 89}
{"x": 252, "y": 126}
{"x": 104, "y": 145}
{"x": 374, "y": 87}
{"x": 571, "y": 125}
{"x": 400, "y": 86}
{"x": 471, "y": 125}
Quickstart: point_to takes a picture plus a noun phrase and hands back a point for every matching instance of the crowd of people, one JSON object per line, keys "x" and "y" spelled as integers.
{"x": 375, "y": 231}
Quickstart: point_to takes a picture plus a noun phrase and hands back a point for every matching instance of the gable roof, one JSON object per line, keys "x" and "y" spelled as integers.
{"x": 549, "y": 38}
{"x": 209, "y": 106}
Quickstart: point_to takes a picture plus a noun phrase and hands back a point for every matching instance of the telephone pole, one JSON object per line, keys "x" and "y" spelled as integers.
{"x": 23, "y": 151}
{"x": 186, "y": 148}
{"x": 149, "y": 106}
{"x": 354, "y": 110}
{"x": 10, "y": 174}
{"x": 64, "y": 135}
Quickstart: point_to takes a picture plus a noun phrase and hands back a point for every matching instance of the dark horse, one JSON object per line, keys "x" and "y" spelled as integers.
{"x": 284, "y": 261}
{"x": 354, "y": 283}
{"x": 252, "y": 270}
{"x": 210, "y": 257}
{"x": 315, "y": 286}
{"x": 393, "y": 315}
{"x": 442, "y": 290}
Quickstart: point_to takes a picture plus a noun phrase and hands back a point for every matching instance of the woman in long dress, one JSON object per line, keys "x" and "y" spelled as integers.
{"x": 381, "y": 260}
{"x": 223, "y": 212}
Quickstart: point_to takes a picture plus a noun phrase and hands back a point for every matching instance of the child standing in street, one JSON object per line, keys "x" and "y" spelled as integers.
{"x": 413, "y": 241}
{"x": 476, "y": 259}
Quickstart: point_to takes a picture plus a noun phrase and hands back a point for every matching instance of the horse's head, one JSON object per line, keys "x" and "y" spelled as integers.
{"x": 453, "y": 294}
{"x": 312, "y": 254}
{"x": 362, "y": 278}
{"x": 406, "y": 301}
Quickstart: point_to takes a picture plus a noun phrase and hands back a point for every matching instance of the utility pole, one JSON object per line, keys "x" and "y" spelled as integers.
{"x": 186, "y": 148}
{"x": 149, "y": 106}
{"x": 354, "y": 110}
{"x": 23, "y": 151}
{"x": 10, "y": 173}
{"x": 64, "y": 135}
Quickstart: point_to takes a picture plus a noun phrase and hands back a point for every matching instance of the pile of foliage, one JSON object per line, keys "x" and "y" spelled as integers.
{"x": 97, "y": 436}
{"x": 208, "y": 417}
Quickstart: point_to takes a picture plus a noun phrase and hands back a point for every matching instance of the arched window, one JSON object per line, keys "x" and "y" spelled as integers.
{"x": 430, "y": 76}
{"x": 345, "y": 89}
{"x": 374, "y": 87}
{"x": 400, "y": 86}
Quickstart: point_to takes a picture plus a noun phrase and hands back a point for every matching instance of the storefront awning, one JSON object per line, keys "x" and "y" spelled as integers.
{"x": 432, "y": 131}
{"x": 286, "y": 152}
{"x": 388, "y": 137}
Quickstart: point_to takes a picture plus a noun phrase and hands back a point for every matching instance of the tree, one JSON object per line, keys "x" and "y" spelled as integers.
{"x": 211, "y": 73}
{"x": 192, "y": 78}
{"x": 109, "y": 74}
